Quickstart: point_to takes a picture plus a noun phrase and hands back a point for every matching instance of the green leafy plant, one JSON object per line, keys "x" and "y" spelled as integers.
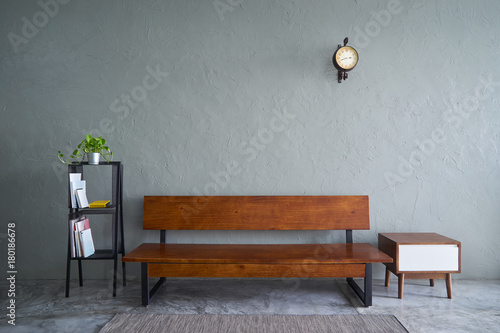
{"x": 88, "y": 145}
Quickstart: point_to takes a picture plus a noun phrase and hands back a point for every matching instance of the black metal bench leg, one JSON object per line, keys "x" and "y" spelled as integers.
{"x": 124, "y": 273}
{"x": 368, "y": 285}
{"x": 364, "y": 295}
{"x": 145, "y": 283}
{"x": 146, "y": 293}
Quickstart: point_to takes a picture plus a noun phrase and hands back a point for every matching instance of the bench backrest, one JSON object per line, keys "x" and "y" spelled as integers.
{"x": 256, "y": 213}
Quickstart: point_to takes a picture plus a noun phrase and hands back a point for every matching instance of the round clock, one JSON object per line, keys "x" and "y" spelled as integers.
{"x": 345, "y": 58}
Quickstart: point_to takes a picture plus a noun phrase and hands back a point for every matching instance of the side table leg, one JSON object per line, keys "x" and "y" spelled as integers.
{"x": 431, "y": 282}
{"x": 448, "y": 285}
{"x": 387, "y": 277}
{"x": 401, "y": 283}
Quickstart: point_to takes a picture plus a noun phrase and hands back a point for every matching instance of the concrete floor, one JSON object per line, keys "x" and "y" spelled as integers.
{"x": 42, "y": 307}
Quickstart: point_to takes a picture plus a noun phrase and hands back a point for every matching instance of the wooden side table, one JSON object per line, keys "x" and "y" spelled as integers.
{"x": 420, "y": 256}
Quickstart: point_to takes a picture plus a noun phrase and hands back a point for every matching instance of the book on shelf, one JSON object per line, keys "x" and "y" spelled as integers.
{"x": 72, "y": 229}
{"x": 81, "y": 197}
{"x": 79, "y": 226}
{"x": 78, "y": 251}
{"x": 73, "y": 179}
{"x": 74, "y": 187}
{"x": 76, "y": 228}
{"x": 99, "y": 204}
{"x": 87, "y": 243}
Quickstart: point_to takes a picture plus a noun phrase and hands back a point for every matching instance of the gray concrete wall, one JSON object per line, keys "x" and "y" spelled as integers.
{"x": 240, "y": 97}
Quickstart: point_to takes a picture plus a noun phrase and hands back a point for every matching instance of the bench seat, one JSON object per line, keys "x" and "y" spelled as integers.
{"x": 256, "y": 260}
{"x": 341, "y": 253}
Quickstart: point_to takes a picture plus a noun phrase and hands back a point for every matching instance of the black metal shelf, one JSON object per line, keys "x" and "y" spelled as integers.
{"x": 102, "y": 254}
{"x": 115, "y": 210}
{"x": 90, "y": 211}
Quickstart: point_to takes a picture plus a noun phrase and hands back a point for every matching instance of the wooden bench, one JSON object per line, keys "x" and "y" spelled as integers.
{"x": 347, "y": 260}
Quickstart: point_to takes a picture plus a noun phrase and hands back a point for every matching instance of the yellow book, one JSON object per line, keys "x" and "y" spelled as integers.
{"x": 99, "y": 204}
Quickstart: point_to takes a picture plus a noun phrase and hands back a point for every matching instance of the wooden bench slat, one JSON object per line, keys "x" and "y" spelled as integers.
{"x": 256, "y": 213}
{"x": 257, "y": 253}
{"x": 257, "y": 270}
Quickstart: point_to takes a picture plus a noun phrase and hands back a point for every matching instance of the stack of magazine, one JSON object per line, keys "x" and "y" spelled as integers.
{"x": 80, "y": 235}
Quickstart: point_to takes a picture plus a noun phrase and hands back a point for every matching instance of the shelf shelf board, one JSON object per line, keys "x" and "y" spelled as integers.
{"x": 100, "y": 163}
{"x": 90, "y": 211}
{"x": 98, "y": 255}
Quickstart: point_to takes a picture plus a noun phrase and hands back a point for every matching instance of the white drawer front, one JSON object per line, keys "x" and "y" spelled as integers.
{"x": 428, "y": 257}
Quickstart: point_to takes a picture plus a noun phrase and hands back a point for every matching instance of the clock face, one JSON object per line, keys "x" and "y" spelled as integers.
{"x": 346, "y": 57}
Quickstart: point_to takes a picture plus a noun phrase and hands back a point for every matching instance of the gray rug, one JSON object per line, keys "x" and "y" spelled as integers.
{"x": 152, "y": 323}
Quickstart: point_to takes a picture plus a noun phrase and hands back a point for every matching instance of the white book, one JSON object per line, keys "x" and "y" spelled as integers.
{"x": 81, "y": 197}
{"x": 77, "y": 185}
{"x": 73, "y": 178}
{"x": 72, "y": 229}
{"x": 81, "y": 225}
{"x": 87, "y": 243}
{"x": 78, "y": 248}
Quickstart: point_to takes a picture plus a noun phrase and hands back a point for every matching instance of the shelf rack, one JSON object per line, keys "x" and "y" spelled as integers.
{"x": 115, "y": 209}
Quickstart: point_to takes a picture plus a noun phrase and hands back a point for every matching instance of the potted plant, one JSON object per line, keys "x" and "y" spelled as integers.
{"x": 93, "y": 147}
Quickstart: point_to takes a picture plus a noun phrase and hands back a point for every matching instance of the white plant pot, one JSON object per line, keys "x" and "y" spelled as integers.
{"x": 93, "y": 158}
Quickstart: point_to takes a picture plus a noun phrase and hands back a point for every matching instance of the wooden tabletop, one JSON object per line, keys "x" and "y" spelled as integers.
{"x": 257, "y": 253}
{"x": 419, "y": 238}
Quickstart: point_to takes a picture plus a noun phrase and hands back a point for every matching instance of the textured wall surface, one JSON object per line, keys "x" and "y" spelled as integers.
{"x": 240, "y": 97}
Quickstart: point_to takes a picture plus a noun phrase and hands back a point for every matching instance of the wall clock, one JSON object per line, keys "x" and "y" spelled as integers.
{"x": 345, "y": 59}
